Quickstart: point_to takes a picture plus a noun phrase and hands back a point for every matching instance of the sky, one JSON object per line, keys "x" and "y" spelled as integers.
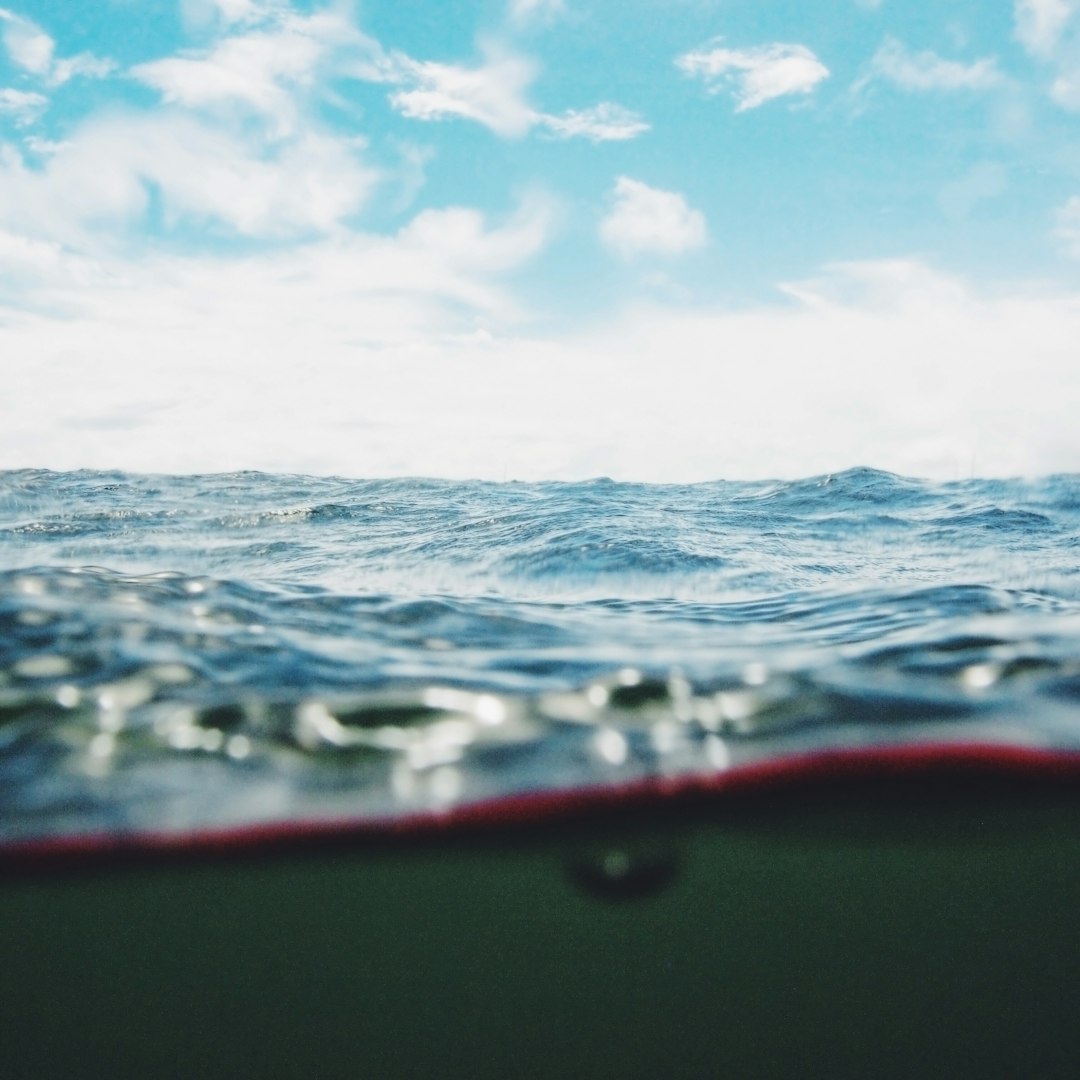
{"x": 541, "y": 239}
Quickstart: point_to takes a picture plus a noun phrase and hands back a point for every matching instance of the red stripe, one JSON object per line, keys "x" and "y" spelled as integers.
{"x": 542, "y": 806}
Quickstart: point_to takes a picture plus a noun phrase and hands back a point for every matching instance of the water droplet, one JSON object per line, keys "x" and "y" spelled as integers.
{"x": 625, "y": 871}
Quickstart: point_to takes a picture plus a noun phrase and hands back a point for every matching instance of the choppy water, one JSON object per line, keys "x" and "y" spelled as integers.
{"x": 180, "y": 653}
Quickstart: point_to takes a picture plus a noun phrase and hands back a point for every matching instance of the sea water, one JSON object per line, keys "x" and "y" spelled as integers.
{"x": 203, "y": 652}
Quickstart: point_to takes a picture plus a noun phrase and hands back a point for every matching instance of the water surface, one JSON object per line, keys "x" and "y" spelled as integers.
{"x": 180, "y": 653}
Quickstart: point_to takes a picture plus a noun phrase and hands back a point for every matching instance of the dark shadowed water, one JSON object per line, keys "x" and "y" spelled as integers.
{"x": 189, "y": 652}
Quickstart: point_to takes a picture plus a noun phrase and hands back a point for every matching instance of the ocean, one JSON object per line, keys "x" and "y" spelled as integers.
{"x": 188, "y": 655}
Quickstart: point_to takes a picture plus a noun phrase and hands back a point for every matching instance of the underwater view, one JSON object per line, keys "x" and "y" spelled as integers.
{"x": 208, "y": 654}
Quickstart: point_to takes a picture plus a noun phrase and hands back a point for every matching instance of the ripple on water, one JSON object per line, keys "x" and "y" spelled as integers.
{"x": 191, "y": 652}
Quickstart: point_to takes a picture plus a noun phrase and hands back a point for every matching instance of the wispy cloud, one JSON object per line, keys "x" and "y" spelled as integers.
{"x": 1065, "y": 90}
{"x": 605, "y": 122}
{"x": 429, "y": 276}
{"x": 24, "y": 105}
{"x": 495, "y": 94}
{"x": 647, "y": 220}
{"x": 276, "y": 56}
{"x": 1067, "y": 227}
{"x": 925, "y": 71}
{"x": 462, "y": 238}
{"x": 27, "y": 44}
{"x": 881, "y": 285}
{"x": 525, "y": 10}
{"x": 1040, "y": 24}
{"x": 492, "y": 94}
{"x": 1050, "y": 31}
{"x": 755, "y": 75}
{"x": 99, "y": 183}
{"x": 188, "y": 167}
{"x": 33, "y": 50}
{"x": 230, "y": 12}
{"x": 261, "y": 70}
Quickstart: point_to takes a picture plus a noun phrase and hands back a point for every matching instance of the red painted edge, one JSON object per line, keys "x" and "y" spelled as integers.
{"x": 541, "y": 806}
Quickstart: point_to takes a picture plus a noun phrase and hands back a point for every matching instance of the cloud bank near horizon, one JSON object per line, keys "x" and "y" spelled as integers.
{"x": 257, "y": 368}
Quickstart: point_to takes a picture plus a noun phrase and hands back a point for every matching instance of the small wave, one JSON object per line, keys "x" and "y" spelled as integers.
{"x": 176, "y": 651}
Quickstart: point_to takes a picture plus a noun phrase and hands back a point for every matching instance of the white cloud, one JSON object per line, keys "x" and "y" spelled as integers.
{"x": 647, "y": 220}
{"x": 605, "y": 122}
{"x": 410, "y": 173}
{"x": 1065, "y": 90}
{"x": 189, "y": 165}
{"x": 369, "y": 357}
{"x": 85, "y": 64}
{"x": 926, "y": 71}
{"x": 1050, "y": 31}
{"x": 24, "y": 105}
{"x": 880, "y": 286}
{"x": 27, "y": 44}
{"x": 404, "y": 354}
{"x": 1041, "y": 23}
{"x": 524, "y": 10}
{"x": 98, "y": 183}
{"x": 22, "y": 258}
{"x": 451, "y": 256}
{"x": 320, "y": 337}
{"x": 34, "y": 51}
{"x": 41, "y": 274}
{"x": 1067, "y": 228}
{"x": 755, "y": 75}
{"x": 279, "y": 56}
{"x": 199, "y": 13}
{"x": 492, "y": 94}
{"x": 261, "y": 70}
{"x": 460, "y": 236}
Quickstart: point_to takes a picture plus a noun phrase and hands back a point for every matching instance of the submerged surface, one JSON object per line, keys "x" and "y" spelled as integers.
{"x": 217, "y": 651}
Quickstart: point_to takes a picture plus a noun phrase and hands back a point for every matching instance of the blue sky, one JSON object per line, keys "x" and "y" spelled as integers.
{"x": 541, "y": 238}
